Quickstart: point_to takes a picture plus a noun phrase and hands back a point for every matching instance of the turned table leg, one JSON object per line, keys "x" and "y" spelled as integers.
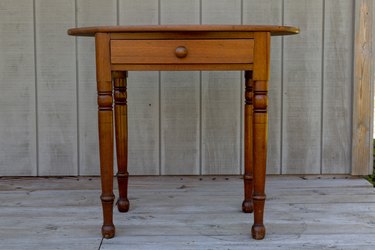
{"x": 105, "y": 116}
{"x": 260, "y": 156}
{"x": 261, "y": 72}
{"x": 121, "y": 125}
{"x": 247, "y": 204}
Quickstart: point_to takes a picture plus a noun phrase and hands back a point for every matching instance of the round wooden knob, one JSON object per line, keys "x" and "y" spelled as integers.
{"x": 181, "y": 52}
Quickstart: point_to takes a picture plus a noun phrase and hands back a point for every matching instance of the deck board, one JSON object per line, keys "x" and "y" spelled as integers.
{"x": 188, "y": 213}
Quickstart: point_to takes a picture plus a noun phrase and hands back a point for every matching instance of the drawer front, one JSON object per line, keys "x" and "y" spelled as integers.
{"x": 220, "y": 51}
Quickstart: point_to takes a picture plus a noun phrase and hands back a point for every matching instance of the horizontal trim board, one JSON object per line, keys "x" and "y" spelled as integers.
{"x": 181, "y": 67}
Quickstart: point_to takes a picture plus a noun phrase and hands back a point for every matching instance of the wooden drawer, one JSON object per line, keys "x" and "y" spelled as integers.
{"x": 220, "y": 51}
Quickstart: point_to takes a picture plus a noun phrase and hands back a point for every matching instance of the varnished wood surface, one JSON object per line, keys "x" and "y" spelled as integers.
{"x": 303, "y": 213}
{"x": 198, "y": 51}
{"x": 275, "y": 30}
{"x": 270, "y": 12}
{"x": 22, "y": 94}
{"x": 106, "y": 130}
{"x": 88, "y": 15}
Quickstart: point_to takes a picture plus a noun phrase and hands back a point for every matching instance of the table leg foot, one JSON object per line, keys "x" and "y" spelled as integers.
{"x": 247, "y": 206}
{"x": 108, "y": 231}
{"x": 258, "y": 231}
{"x": 123, "y": 205}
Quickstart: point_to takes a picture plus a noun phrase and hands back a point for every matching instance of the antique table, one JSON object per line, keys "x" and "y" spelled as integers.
{"x": 120, "y": 49}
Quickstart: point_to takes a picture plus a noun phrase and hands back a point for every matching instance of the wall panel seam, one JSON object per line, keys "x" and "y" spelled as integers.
{"x": 282, "y": 89}
{"x": 118, "y": 12}
{"x": 200, "y": 105}
{"x": 159, "y": 87}
{"x": 77, "y": 88}
{"x": 322, "y": 88}
{"x": 200, "y": 12}
{"x": 242, "y": 74}
{"x": 200, "y": 124}
{"x": 36, "y": 92}
{"x": 352, "y": 87}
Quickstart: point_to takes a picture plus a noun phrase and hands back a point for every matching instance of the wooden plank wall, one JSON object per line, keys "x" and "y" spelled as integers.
{"x": 363, "y": 86}
{"x": 18, "y": 136}
{"x": 181, "y": 122}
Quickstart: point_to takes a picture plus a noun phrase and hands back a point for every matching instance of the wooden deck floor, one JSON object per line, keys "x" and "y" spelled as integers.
{"x": 187, "y": 213}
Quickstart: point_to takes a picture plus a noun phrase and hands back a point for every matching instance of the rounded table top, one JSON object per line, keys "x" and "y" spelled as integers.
{"x": 274, "y": 30}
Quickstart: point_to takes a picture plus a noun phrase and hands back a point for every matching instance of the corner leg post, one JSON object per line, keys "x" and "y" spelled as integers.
{"x": 121, "y": 125}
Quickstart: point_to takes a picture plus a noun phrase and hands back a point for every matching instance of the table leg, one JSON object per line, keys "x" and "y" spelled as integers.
{"x": 121, "y": 125}
{"x": 247, "y": 204}
{"x": 260, "y": 156}
{"x": 105, "y": 116}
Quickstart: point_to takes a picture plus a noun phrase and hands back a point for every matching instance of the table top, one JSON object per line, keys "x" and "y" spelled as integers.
{"x": 274, "y": 30}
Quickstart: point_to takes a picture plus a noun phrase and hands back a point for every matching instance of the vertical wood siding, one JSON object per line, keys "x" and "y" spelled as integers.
{"x": 56, "y": 85}
{"x": 143, "y": 97}
{"x": 363, "y": 86}
{"x": 221, "y": 106}
{"x": 337, "y": 86}
{"x": 18, "y": 136}
{"x": 302, "y": 96}
{"x": 180, "y": 102}
{"x": 179, "y": 122}
{"x": 89, "y": 13}
{"x": 270, "y": 12}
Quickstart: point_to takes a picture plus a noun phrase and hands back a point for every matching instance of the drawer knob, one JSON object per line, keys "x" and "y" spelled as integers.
{"x": 181, "y": 52}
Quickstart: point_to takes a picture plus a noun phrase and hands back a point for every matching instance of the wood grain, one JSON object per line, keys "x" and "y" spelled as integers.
{"x": 300, "y": 211}
{"x": 121, "y": 135}
{"x": 89, "y": 12}
{"x": 57, "y": 93}
{"x": 261, "y": 75}
{"x": 118, "y": 29}
{"x": 18, "y": 152}
{"x": 363, "y": 89}
{"x": 270, "y": 12}
{"x": 197, "y": 52}
{"x": 106, "y": 128}
{"x": 18, "y": 96}
{"x": 302, "y": 77}
{"x": 337, "y": 86}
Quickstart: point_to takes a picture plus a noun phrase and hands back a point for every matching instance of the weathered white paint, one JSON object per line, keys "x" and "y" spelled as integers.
{"x": 143, "y": 97}
{"x": 337, "y": 86}
{"x": 57, "y": 93}
{"x": 89, "y": 13}
{"x": 180, "y": 102}
{"x": 270, "y": 12}
{"x": 18, "y": 137}
{"x": 302, "y": 77}
{"x": 179, "y": 122}
{"x": 221, "y": 101}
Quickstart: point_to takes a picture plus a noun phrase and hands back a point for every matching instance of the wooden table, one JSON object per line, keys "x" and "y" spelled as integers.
{"x": 120, "y": 49}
